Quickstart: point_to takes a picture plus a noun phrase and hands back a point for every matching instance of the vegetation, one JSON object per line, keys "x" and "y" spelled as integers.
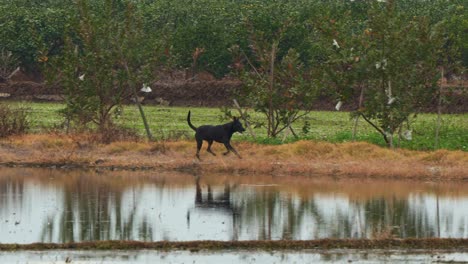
{"x": 356, "y": 160}
{"x": 13, "y": 121}
{"x": 393, "y": 63}
{"x": 278, "y": 89}
{"x": 34, "y": 30}
{"x": 387, "y": 53}
{"x": 8, "y": 65}
{"x": 169, "y": 123}
{"x": 105, "y": 57}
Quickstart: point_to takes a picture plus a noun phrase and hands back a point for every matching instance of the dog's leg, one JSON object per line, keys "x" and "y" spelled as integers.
{"x": 199, "y": 145}
{"x": 210, "y": 142}
{"x": 235, "y": 152}
{"x": 226, "y": 144}
{"x": 231, "y": 148}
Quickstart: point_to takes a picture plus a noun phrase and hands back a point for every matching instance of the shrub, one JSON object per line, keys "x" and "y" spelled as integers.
{"x": 13, "y": 121}
{"x": 114, "y": 133}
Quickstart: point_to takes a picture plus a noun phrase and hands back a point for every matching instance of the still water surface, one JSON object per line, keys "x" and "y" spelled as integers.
{"x": 38, "y": 205}
{"x": 228, "y": 257}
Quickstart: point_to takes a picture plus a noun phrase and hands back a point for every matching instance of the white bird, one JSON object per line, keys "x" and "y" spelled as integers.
{"x": 338, "y": 105}
{"x": 146, "y": 89}
{"x": 335, "y": 43}
{"x": 388, "y": 92}
{"x": 381, "y": 64}
{"x": 81, "y": 77}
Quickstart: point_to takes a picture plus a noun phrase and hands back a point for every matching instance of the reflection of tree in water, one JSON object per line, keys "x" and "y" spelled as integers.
{"x": 280, "y": 216}
{"x": 91, "y": 207}
{"x": 268, "y": 212}
{"x": 396, "y": 218}
{"x": 94, "y": 211}
{"x": 11, "y": 187}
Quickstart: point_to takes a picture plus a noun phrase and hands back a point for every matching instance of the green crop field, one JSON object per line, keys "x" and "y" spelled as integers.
{"x": 170, "y": 123}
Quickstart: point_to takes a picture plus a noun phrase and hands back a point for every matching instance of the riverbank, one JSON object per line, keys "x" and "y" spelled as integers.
{"x": 457, "y": 245}
{"x": 304, "y": 158}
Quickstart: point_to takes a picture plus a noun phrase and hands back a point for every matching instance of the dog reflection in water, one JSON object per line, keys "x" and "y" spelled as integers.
{"x": 219, "y": 133}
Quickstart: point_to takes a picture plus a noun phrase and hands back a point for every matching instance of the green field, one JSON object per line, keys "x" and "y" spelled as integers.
{"x": 170, "y": 123}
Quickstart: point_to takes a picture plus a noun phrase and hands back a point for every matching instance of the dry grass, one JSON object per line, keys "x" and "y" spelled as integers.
{"x": 303, "y": 158}
{"x": 121, "y": 147}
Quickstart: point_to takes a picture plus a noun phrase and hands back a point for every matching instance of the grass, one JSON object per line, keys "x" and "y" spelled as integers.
{"x": 302, "y": 158}
{"x": 169, "y": 123}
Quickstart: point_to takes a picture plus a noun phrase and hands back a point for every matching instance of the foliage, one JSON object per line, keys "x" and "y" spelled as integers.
{"x": 384, "y": 50}
{"x": 279, "y": 90}
{"x": 8, "y": 64}
{"x": 104, "y": 63}
{"x": 33, "y": 30}
{"x": 276, "y": 82}
{"x": 209, "y": 25}
{"x": 13, "y": 121}
{"x": 393, "y": 61}
{"x": 171, "y": 124}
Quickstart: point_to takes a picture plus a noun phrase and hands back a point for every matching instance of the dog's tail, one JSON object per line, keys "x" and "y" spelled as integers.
{"x": 190, "y": 123}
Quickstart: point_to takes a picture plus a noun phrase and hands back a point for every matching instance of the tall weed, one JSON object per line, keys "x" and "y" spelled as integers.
{"x": 13, "y": 121}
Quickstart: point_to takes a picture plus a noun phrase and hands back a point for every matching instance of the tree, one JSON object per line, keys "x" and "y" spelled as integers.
{"x": 202, "y": 24}
{"x": 104, "y": 62}
{"x": 33, "y": 30}
{"x": 395, "y": 64}
{"x": 277, "y": 86}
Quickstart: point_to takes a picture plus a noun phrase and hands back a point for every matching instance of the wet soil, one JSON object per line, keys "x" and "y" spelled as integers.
{"x": 411, "y": 243}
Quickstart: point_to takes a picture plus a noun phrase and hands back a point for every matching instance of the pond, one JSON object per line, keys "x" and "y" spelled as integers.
{"x": 226, "y": 256}
{"x": 47, "y": 205}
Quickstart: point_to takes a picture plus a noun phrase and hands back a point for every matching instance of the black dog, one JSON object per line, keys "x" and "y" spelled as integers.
{"x": 220, "y": 133}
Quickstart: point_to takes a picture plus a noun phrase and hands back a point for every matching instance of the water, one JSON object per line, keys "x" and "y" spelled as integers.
{"x": 39, "y": 205}
{"x": 235, "y": 257}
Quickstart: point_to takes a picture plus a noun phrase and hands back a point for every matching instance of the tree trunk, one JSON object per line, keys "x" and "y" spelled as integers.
{"x": 143, "y": 117}
{"x": 357, "y": 117}
{"x": 439, "y": 111}
{"x": 271, "y": 89}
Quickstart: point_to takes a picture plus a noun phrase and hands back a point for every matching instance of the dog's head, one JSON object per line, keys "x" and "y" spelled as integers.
{"x": 237, "y": 125}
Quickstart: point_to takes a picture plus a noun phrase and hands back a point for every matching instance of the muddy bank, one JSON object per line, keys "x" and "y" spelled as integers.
{"x": 459, "y": 245}
{"x": 303, "y": 158}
